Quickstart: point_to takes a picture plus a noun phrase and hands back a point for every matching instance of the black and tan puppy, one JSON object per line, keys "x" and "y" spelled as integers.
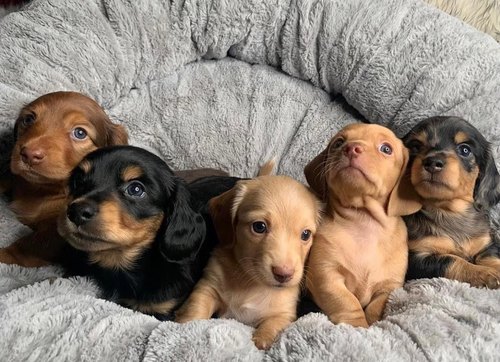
{"x": 140, "y": 230}
{"x": 453, "y": 170}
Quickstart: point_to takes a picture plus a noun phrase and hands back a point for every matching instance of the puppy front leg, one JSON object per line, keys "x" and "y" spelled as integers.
{"x": 268, "y": 330}
{"x": 490, "y": 258}
{"x": 338, "y": 303}
{"x": 203, "y": 302}
{"x": 476, "y": 275}
{"x": 426, "y": 265}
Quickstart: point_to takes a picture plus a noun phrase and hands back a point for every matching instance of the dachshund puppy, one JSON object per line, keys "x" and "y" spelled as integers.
{"x": 140, "y": 230}
{"x": 453, "y": 170}
{"x": 360, "y": 252}
{"x": 52, "y": 134}
{"x": 265, "y": 227}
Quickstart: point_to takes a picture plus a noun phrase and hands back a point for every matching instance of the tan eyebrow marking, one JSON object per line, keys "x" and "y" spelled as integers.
{"x": 461, "y": 137}
{"x": 131, "y": 172}
{"x": 421, "y": 136}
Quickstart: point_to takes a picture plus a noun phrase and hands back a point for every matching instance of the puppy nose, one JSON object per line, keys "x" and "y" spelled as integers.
{"x": 282, "y": 274}
{"x": 81, "y": 212}
{"x": 433, "y": 164}
{"x": 32, "y": 156}
{"x": 353, "y": 150}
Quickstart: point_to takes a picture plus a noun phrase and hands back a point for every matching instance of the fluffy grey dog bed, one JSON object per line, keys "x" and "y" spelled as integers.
{"x": 229, "y": 84}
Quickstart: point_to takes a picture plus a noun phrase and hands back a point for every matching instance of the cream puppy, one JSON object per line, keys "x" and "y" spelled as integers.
{"x": 265, "y": 226}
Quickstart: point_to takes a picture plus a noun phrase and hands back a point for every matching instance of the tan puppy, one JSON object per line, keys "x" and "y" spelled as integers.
{"x": 360, "y": 253}
{"x": 265, "y": 226}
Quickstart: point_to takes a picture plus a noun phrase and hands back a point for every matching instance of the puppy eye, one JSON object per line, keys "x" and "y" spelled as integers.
{"x": 78, "y": 133}
{"x": 259, "y": 227}
{"x": 28, "y": 120}
{"x": 386, "y": 148}
{"x": 338, "y": 142}
{"x": 135, "y": 189}
{"x": 306, "y": 235}
{"x": 464, "y": 150}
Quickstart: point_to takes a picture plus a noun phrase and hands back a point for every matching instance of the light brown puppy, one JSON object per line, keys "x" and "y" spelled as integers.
{"x": 360, "y": 252}
{"x": 53, "y": 133}
{"x": 265, "y": 226}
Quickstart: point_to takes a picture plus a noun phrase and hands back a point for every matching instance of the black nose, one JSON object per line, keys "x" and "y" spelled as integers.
{"x": 81, "y": 212}
{"x": 434, "y": 164}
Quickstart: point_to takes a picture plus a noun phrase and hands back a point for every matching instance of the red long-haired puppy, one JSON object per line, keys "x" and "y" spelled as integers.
{"x": 52, "y": 135}
{"x": 265, "y": 227}
{"x": 360, "y": 252}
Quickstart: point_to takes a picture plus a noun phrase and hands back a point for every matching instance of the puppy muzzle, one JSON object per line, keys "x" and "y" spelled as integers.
{"x": 81, "y": 212}
{"x": 434, "y": 164}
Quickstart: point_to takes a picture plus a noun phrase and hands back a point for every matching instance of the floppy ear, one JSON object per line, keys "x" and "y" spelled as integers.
{"x": 223, "y": 210}
{"x": 116, "y": 135}
{"x": 185, "y": 228}
{"x": 487, "y": 189}
{"x": 109, "y": 134}
{"x": 403, "y": 199}
{"x": 315, "y": 174}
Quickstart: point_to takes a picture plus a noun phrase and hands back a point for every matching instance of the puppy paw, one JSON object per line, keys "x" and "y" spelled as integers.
{"x": 263, "y": 341}
{"x": 355, "y": 322}
{"x": 182, "y": 318}
{"x": 372, "y": 318}
{"x": 359, "y": 323}
{"x": 486, "y": 278}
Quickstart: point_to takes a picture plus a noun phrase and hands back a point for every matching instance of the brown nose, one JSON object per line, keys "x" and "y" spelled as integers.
{"x": 353, "y": 150}
{"x": 32, "y": 156}
{"x": 282, "y": 274}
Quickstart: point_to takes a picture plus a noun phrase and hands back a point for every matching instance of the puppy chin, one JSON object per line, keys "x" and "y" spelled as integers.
{"x": 434, "y": 190}
{"x": 433, "y": 187}
{"x": 79, "y": 240}
{"x": 352, "y": 171}
{"x": 351, "y": 181}
{"x": 36, "y": 175}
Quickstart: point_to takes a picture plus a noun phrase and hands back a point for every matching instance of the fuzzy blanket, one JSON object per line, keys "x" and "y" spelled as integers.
{"x": 229, "y": 84}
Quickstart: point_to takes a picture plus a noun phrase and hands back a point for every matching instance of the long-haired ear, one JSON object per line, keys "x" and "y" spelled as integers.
{"x": 487, "y": 188}
{"x": 223, "y": 210}
{"x": 109, "y": 133}
{"x": 315, "y": 174}
{"x": 185, "y": 228}
{"x": 403, "y": 199}
{"x": 116, "y": 135}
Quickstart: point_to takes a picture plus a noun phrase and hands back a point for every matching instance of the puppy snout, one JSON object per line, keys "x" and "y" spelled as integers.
{"x": 283, "y": 274}
{"x": 352, "y": 150}
{"x": 32, "y": 156}
{"x": 434, "y": 164}
{"x": 81, "y": 212}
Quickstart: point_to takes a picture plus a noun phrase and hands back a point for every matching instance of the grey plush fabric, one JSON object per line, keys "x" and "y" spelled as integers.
{"x": 230, "y": 84}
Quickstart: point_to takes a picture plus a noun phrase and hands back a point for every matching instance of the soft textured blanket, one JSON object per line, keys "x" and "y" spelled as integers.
{"x": 229, "y": 84}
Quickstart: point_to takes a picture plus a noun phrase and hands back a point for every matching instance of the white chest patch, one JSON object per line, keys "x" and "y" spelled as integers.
{"x": 248, "y": 307}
